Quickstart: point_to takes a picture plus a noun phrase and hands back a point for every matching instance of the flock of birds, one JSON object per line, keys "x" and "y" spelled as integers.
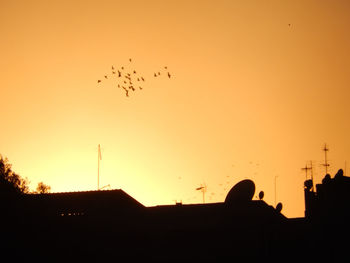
{"x": 131, "y": 80}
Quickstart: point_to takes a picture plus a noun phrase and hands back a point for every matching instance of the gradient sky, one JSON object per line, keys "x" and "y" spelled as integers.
{"x": 257, "y": 88}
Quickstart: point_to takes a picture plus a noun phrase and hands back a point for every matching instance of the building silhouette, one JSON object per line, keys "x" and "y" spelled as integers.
{"x": 111, "y": 225}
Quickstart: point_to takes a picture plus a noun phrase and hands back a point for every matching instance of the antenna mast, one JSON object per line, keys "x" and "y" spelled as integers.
{"x": 306, "y": 168}
{"x": 312, "y": 175}
{"x": 203, "y": 189}
{"x": 325, "y": 164}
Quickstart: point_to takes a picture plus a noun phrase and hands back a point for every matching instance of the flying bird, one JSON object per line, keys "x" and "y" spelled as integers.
{"x": 126, "y": 91}
{"x": 129, "y": 78}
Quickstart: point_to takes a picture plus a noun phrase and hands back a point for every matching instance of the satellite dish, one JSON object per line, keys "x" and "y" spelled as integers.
{"x": 279, "y": 207}
{"x": 242, "y": 192}
{"x": 261, "y": 195}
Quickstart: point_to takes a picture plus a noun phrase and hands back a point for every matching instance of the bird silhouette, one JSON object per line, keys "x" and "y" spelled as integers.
{"x": 129, "y": 77}
{"x": 126, "y": 91}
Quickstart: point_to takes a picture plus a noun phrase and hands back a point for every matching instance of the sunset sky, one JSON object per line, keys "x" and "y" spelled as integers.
{"x": 256, "y": 89}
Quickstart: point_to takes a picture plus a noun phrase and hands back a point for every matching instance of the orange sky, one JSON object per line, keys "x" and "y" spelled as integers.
{"x": 250, "y": 96}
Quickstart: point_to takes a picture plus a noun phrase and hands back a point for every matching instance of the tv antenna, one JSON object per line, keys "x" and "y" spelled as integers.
{"x": 312, "y": 175}
{"x": 306, "y": 168}
{"x": 325, "y": 164}
{"x": 203, "y": 189}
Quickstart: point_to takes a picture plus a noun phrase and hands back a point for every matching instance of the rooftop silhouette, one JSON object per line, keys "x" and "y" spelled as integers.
{"x": 99, "y": 224}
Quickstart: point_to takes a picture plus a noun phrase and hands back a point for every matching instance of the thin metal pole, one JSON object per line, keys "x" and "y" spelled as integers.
{"x": 326, "y": 164}
{"x": 306, "y": 169}
{"x": 312, "y": 176}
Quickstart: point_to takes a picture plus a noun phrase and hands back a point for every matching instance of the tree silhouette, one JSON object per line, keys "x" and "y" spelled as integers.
{"x": 10, "y": 182}
{"x": 42, "y": 188}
